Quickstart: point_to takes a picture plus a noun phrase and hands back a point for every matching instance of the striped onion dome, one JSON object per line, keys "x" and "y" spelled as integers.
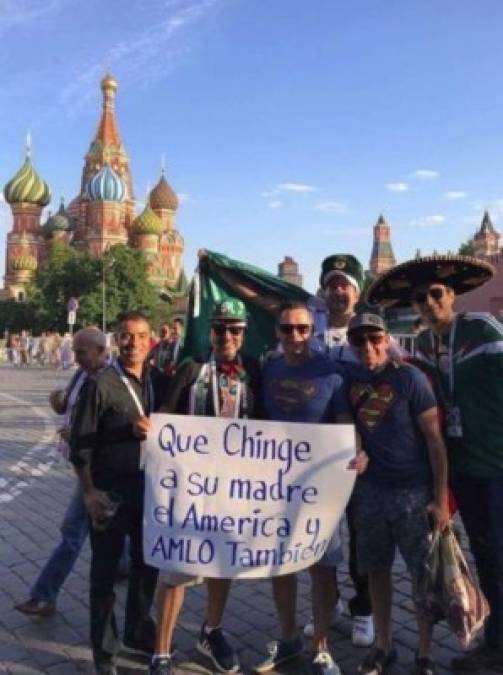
{"x": 24, "y": 263}
{"x": 27, "y": 187}
{"x": 163, "y": 196}
{"x": 106, "y": 186}
{"x": 147, "y": 222}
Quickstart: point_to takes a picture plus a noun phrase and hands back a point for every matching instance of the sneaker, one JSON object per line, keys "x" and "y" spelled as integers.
{"x": 145, "y": 647}
{"x": 279, "y": 652}
{"x": 337, "y": 613}
{"x": 36, "y": 608}
{"x": 424, "y": 666}
{"x": 479, "y": 658}
{"x": 323, "y": 664}
{"x": 161, "y": 666}
{"x": 377, "y": 661}
{"x": 215, "y": 646}
{"x": 363, "y": 634}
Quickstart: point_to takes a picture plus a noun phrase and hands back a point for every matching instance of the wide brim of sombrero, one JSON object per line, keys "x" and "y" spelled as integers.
{"x": 461, "y": 273}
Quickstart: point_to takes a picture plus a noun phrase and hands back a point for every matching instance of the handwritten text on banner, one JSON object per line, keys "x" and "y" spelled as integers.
{"x": 248, "y": 498}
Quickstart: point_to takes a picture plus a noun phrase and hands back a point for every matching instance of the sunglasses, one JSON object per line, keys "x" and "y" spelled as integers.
{"x": 222, "y": 329}
{"x": 361, "y": 340}
{"x": 289, "y": 328}
{"x": 421, "y": 296}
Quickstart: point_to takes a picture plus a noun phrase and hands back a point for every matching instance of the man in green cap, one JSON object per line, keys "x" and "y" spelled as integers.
{"x": 224, "y": 385}
{"x": 341, "y": 281}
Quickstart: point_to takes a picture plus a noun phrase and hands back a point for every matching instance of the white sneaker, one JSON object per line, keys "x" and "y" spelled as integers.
{"x": 363, "y": 634}
{"x": 337, "y": 613}
{"x": 323, "y": 664}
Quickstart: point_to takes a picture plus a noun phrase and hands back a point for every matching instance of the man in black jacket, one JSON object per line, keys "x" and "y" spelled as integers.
{"x": 106, "y": 456}
{"x": 225, "y": 385}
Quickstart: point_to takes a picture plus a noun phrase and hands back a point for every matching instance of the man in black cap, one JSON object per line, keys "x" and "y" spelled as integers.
{"x": 463, "y": 353}
{"x": 396, "y": 415}
{"x": 341, "y": 280}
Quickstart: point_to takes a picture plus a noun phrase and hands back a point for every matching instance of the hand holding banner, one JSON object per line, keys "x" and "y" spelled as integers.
{"x": 238, "y": 497}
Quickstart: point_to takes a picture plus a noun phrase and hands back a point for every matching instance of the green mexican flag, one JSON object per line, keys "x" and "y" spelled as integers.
{"x": 218, "y": 278}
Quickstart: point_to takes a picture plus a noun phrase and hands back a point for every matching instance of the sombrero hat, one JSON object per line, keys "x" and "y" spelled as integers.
{"x": 461, "y": 273}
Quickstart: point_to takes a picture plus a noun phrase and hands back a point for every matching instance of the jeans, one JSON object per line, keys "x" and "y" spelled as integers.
{"x": 480, "y": 502}
{"x": 74, "y": 530}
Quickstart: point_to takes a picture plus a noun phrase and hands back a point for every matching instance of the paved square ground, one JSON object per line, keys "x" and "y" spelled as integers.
{"x": 34, "y": 492}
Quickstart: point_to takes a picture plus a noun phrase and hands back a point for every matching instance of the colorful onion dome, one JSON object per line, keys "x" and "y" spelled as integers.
{"x": 27, "y": 187}
{"x": 59, "y": 222}
{"x": 163, "y": 196}
{"x": 106, "y": 186}
{"x": 24, "y": 263}
{"x": 109, "y": 82}
{"x": 147, "y": 222}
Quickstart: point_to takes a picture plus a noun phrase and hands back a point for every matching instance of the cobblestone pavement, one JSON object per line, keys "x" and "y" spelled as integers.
{"x": 34, "y": 491}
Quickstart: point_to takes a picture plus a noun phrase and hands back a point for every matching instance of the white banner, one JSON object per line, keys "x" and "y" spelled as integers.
{"x": 237, "y": 497}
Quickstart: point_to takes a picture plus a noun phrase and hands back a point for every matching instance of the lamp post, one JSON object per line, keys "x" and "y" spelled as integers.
{"x": 104, "y": 288}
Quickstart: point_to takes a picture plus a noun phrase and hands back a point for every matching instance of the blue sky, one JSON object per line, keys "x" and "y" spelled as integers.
{"x": 287, "y": 125}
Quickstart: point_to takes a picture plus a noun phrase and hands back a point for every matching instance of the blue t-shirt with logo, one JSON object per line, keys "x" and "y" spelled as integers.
{"x": 311, "y": 392}
{"x": 386, "y": 405}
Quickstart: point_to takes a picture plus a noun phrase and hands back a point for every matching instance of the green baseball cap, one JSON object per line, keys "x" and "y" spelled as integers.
{"x": 344, "y": 265}
{"x": 231, "y": 309}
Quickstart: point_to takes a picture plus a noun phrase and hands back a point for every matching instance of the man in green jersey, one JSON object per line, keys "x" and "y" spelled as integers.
{"x": 463, "y": 353}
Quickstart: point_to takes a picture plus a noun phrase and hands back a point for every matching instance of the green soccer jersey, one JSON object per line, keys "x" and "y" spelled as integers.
{"x": 467, "y": 365}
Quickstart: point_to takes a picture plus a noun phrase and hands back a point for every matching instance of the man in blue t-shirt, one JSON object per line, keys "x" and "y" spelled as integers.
{"x": 396, "y": 415}
{"x": 301, "y": 385}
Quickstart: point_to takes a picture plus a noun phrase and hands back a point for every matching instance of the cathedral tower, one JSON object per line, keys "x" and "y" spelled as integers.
{"x": 106, "y": 150}
{"x": 27, "y": 194}
{"x": 486, "y": 239}
{"x": 382, "y": 257}
{"x": 105, "y": 218}
{"x": 164, "y": 203}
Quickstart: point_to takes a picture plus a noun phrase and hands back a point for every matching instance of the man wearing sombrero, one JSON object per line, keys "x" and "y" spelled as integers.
{"x": 464, "y": 355}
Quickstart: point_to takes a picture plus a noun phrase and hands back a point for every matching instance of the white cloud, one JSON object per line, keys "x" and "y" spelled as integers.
{"x": 183, "y": 197}
{"x": 331, "y": 207}
{"x": 275, "y": 204}
{"x": 296, "y": 187}
{"x": 455, "y": 194}
{"x": 18, "y": 12}
{"x": 267, "y": 194}
{"x": 427, "y": 221}
{"x": 397, "y": 187}
{"x": 425, "y": 174}
{"x": 145, "y": 57}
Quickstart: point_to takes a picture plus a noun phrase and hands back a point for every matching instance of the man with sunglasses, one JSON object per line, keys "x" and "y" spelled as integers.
{"x": 226, "y": 385}
{"x": 302, "y": 385}
{"x": 463, "y": 353}
{"x": 396, "y": 415}
{"x": 341, "y": 281}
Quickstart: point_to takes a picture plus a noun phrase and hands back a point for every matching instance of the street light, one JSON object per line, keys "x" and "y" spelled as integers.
{"x": 103, "y": 287}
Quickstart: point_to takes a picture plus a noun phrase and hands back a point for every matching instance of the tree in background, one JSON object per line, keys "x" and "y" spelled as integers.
{"x": 69, "y": 272}
{"x": 467, "y": 248}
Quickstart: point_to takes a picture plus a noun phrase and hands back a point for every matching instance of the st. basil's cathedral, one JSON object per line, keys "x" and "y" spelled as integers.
{"x": 103, "y": 214}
